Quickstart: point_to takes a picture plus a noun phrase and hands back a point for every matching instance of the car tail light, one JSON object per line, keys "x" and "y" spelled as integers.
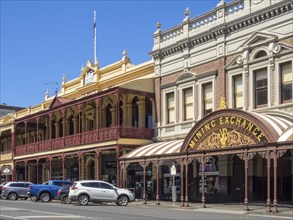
{"x": 3, "y": 188}
{"x": 73, "y": 188}
{"x": 59, "y": 192}
{"x": 30, "y": 187}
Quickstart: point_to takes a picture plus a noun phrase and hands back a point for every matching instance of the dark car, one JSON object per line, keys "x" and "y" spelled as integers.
{"x": 62, "y": 195}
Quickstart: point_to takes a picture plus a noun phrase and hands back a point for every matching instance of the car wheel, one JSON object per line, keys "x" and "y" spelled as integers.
{"x": 34, "y": 198}
{"x": 66, "y": 200}
{"x": 83, "y": 200}
{"x": 45, "y": 197}
{"x": 122, "y": 200}
{"x": 12, "y": 196}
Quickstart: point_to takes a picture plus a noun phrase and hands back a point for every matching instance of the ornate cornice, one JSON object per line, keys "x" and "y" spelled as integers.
{"x": 222, "y": 30}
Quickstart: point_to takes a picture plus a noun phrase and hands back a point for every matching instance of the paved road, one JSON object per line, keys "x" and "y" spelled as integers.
{"x": 27, "y": 210}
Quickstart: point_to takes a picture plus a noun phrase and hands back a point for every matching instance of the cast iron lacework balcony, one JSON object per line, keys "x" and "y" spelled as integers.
{"x": 103, "y": 134}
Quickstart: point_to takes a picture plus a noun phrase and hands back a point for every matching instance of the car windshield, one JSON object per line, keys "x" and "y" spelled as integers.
{"x": 2, "y": 184}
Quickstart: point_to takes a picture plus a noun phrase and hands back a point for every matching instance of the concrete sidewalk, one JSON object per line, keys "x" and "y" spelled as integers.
{"x": 255, "y": 209}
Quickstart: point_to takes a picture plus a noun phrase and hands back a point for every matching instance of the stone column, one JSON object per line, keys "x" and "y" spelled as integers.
{"x": 129, "y": 114}
{"x": 50, "y": 125}
{"x": 97, "y": 113}
{"x": 63, "y": 111}
{"x": 25, "y": 133}
{"x": 37, "y": 119}
{"x": 113, "y": 115}
{"x": 141, "y": 113}
{"x": 57, "y": 129}
{"x": 103, "y": 118}
{"x": 117, "y": 109}
{"x": 124, "y": 107}
{"x": 75, "y": 124}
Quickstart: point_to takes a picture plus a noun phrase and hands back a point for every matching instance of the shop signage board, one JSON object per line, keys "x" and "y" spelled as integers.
{"x": 6, "y": 170}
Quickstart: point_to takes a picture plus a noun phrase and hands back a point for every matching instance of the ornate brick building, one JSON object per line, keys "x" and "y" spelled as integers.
{"x": 223, "y": 86}
{"x": 82, "y": 131}
{"x": 6, "y": 127}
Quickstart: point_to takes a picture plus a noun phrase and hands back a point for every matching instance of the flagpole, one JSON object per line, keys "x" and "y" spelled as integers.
{"x": 95, "y": 39}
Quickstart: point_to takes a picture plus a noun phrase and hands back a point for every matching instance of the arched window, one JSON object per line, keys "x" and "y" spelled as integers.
{"x": 260, "y": 54}
{"x": 148, "y": 113}
{"x": 108, "y": 115}
{"x": 135, "y": 112}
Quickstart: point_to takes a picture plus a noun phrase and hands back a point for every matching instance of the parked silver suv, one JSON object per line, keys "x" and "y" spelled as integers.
{"x": 15, "y": 190}
{"x": 99, "y": 191}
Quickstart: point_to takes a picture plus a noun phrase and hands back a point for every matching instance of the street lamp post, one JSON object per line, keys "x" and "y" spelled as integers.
{"x": 173, "y": 173}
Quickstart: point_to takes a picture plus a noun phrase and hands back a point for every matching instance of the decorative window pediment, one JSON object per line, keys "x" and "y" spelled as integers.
{"x": 236, "y": 62}
{"x": 188, "y": 76}
{"x": 58, "y": 101}
{"x": 259, "y": 39}
{"x": 8, "y": 118}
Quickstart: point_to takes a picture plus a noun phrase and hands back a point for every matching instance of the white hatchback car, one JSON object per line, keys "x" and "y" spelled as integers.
{"x": 86, "y": 191}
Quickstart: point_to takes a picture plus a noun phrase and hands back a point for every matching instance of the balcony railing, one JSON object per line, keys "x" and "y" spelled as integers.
{"x": 104, "y": 134}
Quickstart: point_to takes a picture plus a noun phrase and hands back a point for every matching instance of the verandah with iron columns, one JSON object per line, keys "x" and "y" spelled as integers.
{"x": 272, "y": 151}
{"x": 244, "y": 138}
{"x": 83, "y": 164}
{"x": 103, "y": 116}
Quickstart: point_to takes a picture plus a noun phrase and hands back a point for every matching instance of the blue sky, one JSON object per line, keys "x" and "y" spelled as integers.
{"x": 42, "y": 40}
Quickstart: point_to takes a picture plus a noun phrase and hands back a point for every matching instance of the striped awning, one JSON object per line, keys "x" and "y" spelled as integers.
{"x": 159, "y": 148}
{"x": 281, "y": 128}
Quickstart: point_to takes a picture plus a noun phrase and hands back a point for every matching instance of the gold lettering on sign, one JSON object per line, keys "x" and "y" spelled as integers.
{"x": 223, "y": 134}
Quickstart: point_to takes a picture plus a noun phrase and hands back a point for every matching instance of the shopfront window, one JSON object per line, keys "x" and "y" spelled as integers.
{"x": 135, "y": 181}
{"x": 211, "y": 182}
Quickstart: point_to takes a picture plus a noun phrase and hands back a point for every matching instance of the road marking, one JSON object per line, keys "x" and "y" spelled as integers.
{"x": 12, "y": 217}
{"x": 271, "y": 216}
{"x": 50, "y": 216}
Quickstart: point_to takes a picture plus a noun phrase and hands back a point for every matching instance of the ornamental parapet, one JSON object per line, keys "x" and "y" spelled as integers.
{"x": 225, "y": 19}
